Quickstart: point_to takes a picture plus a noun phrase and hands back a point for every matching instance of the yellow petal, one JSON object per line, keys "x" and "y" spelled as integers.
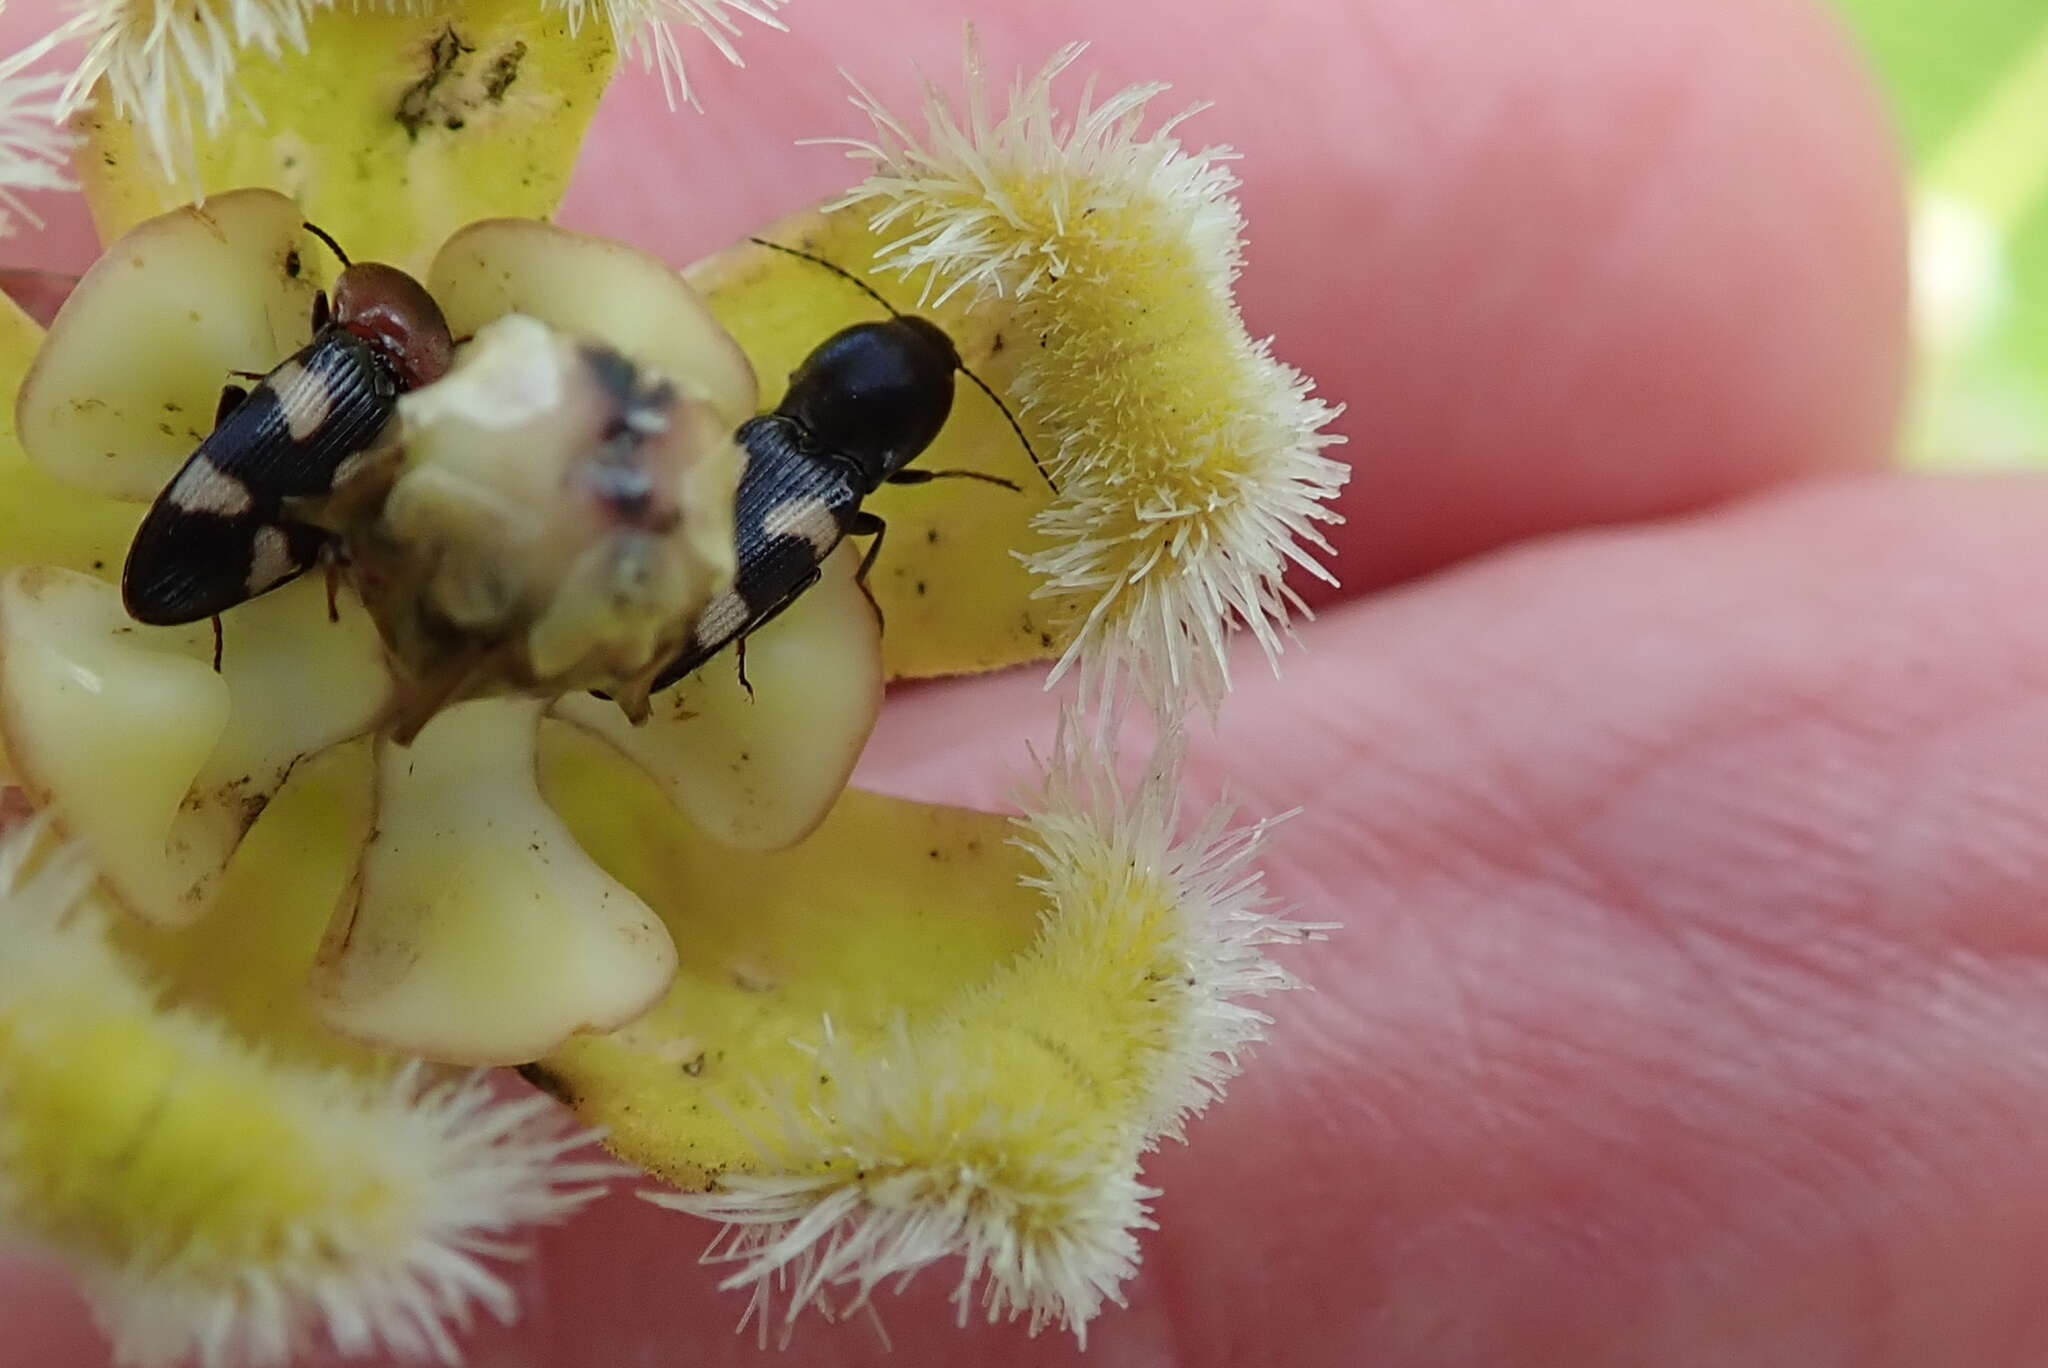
{"x": 1191, "y": 463}
{"x": 759, "y": 770}
{"x": 927, "y": 1033}
{"x": 127, "y": 382}
{"x": 218, "y": 1204}
{"x": 394, "y": 127}
{"x": 108, "y": 723}
{"x": 42, "y": 520}
{"x": 147, "y": 757}
{"x": 954, "y": 597}
{"x": 889, "y": 909}
{"x": 479, "y": 932}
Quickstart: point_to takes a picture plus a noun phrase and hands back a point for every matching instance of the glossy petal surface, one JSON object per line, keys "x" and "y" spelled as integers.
{"x": 478, "y": 931}
{"x": 890, "y": 911}
{"x": 759, "y": 771}
{"x": 42, "y": 520}
{"x": 151, "y": 759}
{"x": 127, "y": 382}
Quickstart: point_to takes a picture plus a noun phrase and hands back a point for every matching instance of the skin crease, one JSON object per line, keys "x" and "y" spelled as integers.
{"x": 1687, "y": 1006}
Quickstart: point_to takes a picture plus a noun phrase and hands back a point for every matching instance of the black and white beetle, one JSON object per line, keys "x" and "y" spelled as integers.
{"x": 218, "y": 533}
{"x": 865, "y": 403}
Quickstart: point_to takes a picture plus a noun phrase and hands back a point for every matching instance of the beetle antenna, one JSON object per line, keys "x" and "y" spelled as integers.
{"x": 317, "y": 231}
{"x": 872, "y": 293}
{"x": 1015, "y": 426}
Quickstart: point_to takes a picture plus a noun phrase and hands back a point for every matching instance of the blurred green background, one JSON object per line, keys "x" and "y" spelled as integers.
{"x": 1969, "y": 82}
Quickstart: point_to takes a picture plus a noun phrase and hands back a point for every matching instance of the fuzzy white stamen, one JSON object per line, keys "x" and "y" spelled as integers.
{"x": 222, "y": 1207}
{"x": 929, "y": 1148}
{"x": 1100, "y": 842}
{"x": 646, "y": 28}
{"x": 34, "y": 148}
{"x": 169, "y": 65}
{"x": 1189, "y": 460}
{"x": 921, "y": 1169}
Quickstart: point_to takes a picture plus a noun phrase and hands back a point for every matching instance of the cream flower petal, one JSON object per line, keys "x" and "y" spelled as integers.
{"x": 42, "y": 520}
{"x": 597, "y": 288}
{"x": 479, "y": 932}
{"x": 153, "y": 762}
{"x": 759, "y": 771}
{"x": 127, "y": 382}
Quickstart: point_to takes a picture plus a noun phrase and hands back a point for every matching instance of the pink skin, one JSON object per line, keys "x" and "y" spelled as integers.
{"x": 1689, "y": 1007}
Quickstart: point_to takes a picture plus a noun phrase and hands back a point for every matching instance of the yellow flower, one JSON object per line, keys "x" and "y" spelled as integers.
{"x": 864, "y": 1033}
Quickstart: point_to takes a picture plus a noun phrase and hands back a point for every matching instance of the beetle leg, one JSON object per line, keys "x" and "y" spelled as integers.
{"x": 866, "y": 524}
{"x": 796, "y": 592}
{"x": 322, "y": 315}
{"x": 333, "y": 588}
{"x": 231, "y": 397}
{"x": 219, "y": 640}
{"x": 690, "y": 661}
{"x": 909, "y": 477}
{"x": 740, "y": 657}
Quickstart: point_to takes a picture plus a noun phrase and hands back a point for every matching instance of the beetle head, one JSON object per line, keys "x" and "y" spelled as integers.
{"x": 394, "y": 314}
{"x": 876, "y": 393}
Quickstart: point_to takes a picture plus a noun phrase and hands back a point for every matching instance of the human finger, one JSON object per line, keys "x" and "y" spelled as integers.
{"x": 1572, "y": 263}
{"x": 1687, "y": 1000}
